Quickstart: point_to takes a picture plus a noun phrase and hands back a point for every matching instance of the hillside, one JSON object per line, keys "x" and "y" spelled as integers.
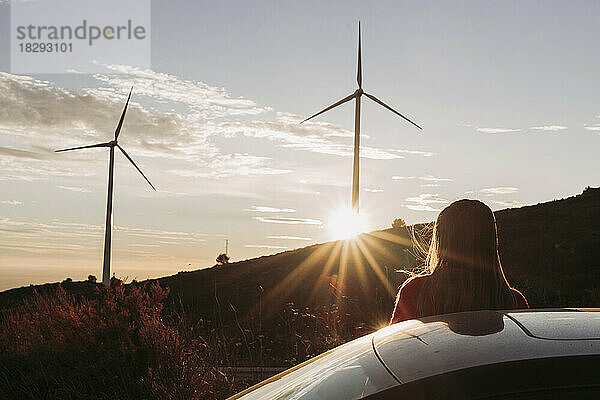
{"x": 549, "y": 251}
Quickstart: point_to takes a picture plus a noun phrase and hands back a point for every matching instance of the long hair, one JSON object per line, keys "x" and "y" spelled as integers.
{"x": 463, "y": 264}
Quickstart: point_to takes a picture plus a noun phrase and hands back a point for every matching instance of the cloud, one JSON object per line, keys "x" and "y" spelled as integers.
{"x": 75, "y": 189}
{"x": 292, "y": 221}
{"x": 11, "y": 202}
{"x": 265, "y": 246}
{"x": 424, "y": 202}
{"x": 415, "y": 152}
{"x": 314, "y": 137}
{"x": 233, "y": 164}
{"x": 594, "y": 128}
{"x": 427, "y": 178}
{"x": 34, "y": 109}
{"x": 206, "y": 102}
{"x": 374, "y": 190}
{"x": 507, "y": 203}
{"x": 80, "y": 232}
{"x": 548, "y": 128}
{"x": 181, "y": 121}
{"x": 265, "y": 209}
{"x": 43, "y": 248}
{"x": 7, "y": 151}
{"x": 497, "y": 130}
{"x": 500, "y": 190}
{"x": 290, "y": 238}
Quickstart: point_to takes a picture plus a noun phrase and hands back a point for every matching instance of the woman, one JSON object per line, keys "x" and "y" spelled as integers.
{"x": 463, "y": 265}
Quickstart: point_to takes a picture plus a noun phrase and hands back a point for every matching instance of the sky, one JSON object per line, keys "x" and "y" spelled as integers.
{"x": 507, "y": 94}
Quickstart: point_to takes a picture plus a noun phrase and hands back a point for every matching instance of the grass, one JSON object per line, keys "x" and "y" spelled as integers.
{"x": 123, "y": 343}
{"x": 120, "y": 344}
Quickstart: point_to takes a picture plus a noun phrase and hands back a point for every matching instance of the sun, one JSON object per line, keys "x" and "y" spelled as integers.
{"x": 344, "y": 224}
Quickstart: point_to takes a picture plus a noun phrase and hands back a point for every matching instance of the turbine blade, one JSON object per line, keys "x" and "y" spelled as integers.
{"x": 359, "y": 69}
{"x": 342, "y": 101}
{"x": 118, "y": 130}
{"x": 376, "y": 100}
{"x": 107, "y": 144}
{"x": 136, "y": 167}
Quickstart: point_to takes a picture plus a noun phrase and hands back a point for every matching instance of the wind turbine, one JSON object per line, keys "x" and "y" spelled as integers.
{"x": 357, "y": 95}
{"x": 111, "y": 167}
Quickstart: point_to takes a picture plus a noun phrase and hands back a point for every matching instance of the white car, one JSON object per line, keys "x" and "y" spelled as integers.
{"x": 530, "y": 354}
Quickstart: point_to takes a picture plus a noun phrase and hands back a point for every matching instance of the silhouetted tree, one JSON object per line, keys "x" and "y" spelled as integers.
{"x": 115, "y": 282}
{"x": 222, "y": 259}
{"x": 92, "y": 278}
{"x": 398, "y": 223}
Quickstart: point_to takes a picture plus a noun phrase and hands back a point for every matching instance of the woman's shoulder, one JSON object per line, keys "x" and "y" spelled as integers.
{"x": 414, "y": 283}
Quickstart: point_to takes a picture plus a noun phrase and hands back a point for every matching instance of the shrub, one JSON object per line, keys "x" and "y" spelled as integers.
{"x": 117, "y": 345}
{"x": 398, "y": 223}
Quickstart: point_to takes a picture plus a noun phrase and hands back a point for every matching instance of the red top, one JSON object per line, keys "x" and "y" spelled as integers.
{"x": 408, "y": 297}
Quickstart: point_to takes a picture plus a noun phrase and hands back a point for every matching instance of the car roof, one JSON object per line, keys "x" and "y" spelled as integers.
{"x": 418, "y": 349}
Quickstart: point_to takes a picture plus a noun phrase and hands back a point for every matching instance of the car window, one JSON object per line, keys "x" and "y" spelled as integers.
{"x": 351, "y": 371}
{"x": 572, "y": 377}
{"x": 586, "y": 393}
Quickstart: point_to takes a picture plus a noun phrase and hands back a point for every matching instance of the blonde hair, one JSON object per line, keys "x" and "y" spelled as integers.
{"x": 463, "y": 264}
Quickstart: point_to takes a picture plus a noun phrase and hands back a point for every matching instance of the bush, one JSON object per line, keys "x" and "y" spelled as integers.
{"x": 117, "y": 345}
{"x": 398, "y": 223}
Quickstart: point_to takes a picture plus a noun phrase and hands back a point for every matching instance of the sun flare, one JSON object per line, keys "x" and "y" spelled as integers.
{"x": 345, "y": 224}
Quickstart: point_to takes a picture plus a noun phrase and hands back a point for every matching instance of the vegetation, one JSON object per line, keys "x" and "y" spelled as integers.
{"x": 120, "y": 344}
{"x": 222, "y": 259}
{"x": 398, "y": 223}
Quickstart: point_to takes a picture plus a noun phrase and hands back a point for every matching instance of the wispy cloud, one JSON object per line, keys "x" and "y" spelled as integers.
{"x": 17, "y": 230}
{"x": 33, "y": 109}
{"x": 265, "y": 246}
{"x": 290, "y": 237}
{"x": 291, "y": 221}
{"x": 416, "y": 152}
{"x": 497, "y": 130}
{"x": 507, "y": 203}
{"x": 75, "y": 189}
{"x": 594, "y": 128}
{"x": 427, "y": 178}
{"x": 178, "y": 122}
{"x": 7, "y": 151}
{"x": 233, "y": 164}
{"x": 548, "y": 128}
{"x": 500, "y": 190}
{"x": 316, "y": 137}
{"x": 424, "y": 202}
{"x": 265, "y": 209}
{"x": 374, "y": 190}
{"x": 11, "y": 202}
{"x": 207, "y": 102}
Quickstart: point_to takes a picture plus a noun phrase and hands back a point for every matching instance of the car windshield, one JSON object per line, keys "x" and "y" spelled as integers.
{"x": 351, "y": 371}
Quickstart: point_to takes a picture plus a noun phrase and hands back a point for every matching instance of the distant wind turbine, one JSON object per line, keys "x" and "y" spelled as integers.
{"x": 357, "y": 96}
{"x": 111, "y": 167}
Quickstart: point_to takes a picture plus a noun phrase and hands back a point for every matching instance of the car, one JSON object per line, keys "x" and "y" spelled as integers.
{"x": 524, "y": 354}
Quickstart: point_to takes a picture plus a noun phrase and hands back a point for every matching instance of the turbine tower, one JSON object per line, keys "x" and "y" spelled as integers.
{"x": 109, "y": 202}
{"x": 357, "y": 95}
